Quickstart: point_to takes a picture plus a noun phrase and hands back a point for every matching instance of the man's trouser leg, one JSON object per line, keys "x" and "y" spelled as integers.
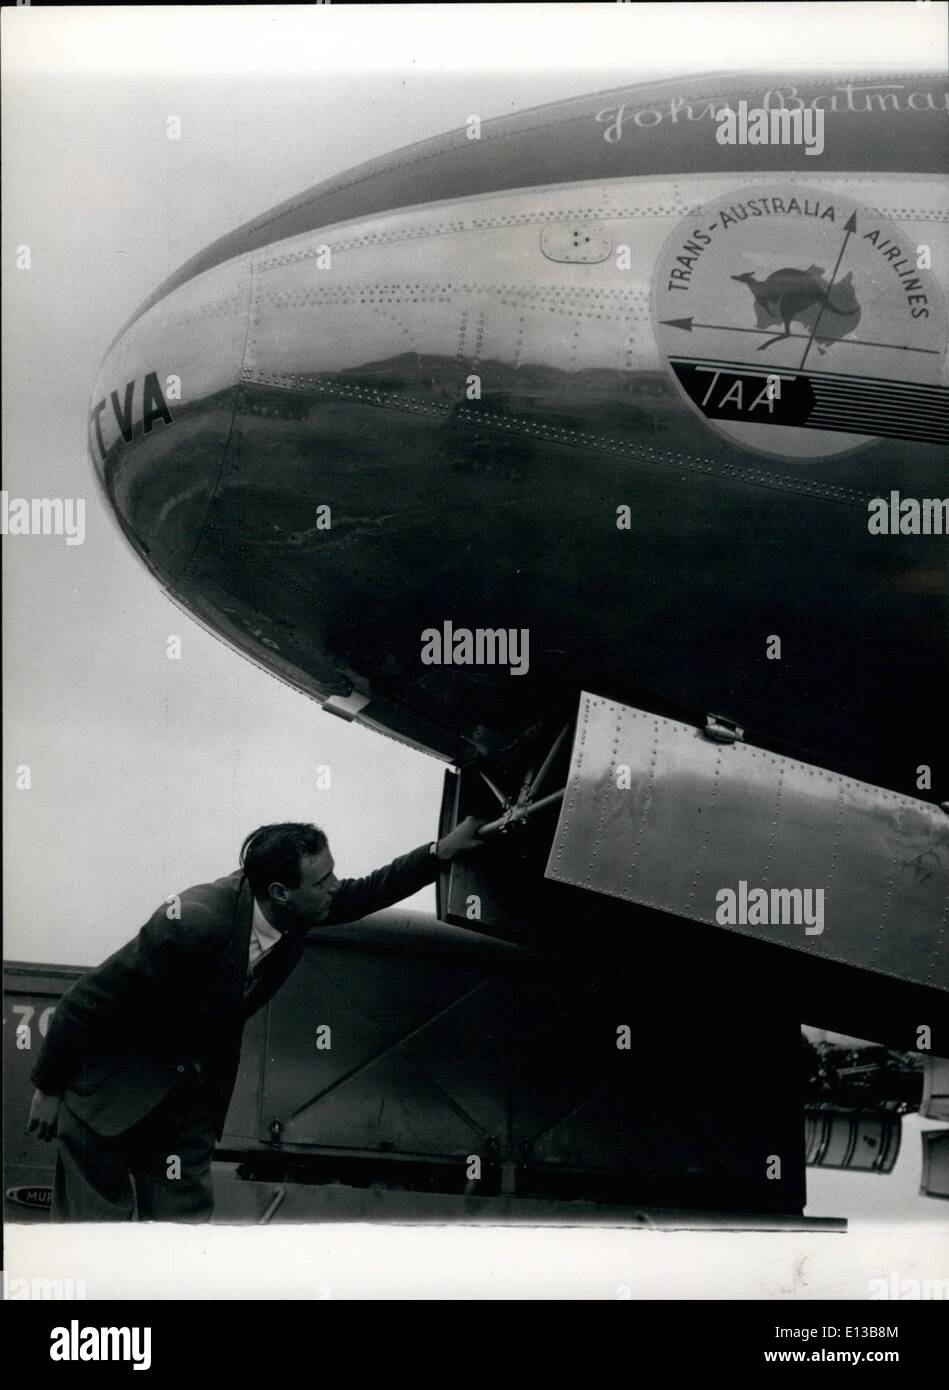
{"x": 91, "y": 1181}
{"x": 170, "y": 1153}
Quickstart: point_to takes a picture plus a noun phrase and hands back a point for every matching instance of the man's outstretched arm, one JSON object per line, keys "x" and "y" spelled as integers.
{"x": 357, "y": 897}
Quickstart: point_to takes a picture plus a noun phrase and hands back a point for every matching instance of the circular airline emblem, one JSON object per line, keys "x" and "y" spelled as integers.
{"x": 800, "y": 323}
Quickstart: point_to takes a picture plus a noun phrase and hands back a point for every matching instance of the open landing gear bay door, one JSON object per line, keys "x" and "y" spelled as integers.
{"x": 662, "y": 814}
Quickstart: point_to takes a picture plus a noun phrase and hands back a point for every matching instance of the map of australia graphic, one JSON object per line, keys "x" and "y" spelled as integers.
{"x": 790, "y": 296}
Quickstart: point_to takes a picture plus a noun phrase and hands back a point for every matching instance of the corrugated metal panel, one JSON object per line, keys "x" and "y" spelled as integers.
{"x": 865, "y": 1140}
{"x": 657, "y": 813}
{"x": 935, "y": 1178}
{"x": 935, "y": 1102}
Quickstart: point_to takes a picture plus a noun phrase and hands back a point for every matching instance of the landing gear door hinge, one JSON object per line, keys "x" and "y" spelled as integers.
{"x": 722, "y": 730}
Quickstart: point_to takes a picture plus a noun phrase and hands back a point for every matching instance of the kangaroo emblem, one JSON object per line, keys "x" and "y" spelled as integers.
{"x": 804, "y": 295}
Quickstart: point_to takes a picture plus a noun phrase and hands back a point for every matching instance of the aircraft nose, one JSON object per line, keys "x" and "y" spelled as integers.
{"x": 162, "y": 410}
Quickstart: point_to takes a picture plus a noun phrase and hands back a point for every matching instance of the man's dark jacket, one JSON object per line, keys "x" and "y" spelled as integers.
{"x": 124, "y": 1033}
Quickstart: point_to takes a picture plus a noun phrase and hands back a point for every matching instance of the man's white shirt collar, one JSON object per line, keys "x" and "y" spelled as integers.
{"x": 263, "y": 937}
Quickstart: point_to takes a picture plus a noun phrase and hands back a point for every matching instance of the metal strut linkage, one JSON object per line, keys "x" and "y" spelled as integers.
{"x": 518, "y": 812}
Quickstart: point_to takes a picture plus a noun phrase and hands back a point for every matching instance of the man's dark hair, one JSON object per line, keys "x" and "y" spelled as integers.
{"x": 272, "y": 854}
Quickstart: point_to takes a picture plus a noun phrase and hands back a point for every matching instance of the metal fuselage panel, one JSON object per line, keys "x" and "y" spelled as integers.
{"x": 891, "y": 123}
{"x": 345, "y": 385}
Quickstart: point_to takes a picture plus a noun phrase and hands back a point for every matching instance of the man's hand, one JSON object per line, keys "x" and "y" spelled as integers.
{"x": 44, "y": 1112}
{"x": 463, "y": 838}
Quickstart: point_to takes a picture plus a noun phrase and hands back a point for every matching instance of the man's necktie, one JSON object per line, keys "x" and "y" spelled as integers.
{"x": 265, "y": 967}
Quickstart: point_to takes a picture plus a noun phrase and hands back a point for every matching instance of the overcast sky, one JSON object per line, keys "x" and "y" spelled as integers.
{"x": 147, "y": 773}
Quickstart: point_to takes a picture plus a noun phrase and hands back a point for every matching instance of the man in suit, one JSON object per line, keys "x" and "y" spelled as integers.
{"x": 137, "y": 1069}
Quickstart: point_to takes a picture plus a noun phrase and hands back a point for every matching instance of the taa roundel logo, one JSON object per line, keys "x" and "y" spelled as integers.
{"x": 799, "y": 323}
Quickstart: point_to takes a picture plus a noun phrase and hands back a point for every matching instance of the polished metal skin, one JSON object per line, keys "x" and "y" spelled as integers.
{"x": 657, "y": 813}
{"x": 289, "y": 436}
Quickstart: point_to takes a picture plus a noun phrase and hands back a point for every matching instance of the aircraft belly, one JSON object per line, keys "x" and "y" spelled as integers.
{"x": 471, "y": 390}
